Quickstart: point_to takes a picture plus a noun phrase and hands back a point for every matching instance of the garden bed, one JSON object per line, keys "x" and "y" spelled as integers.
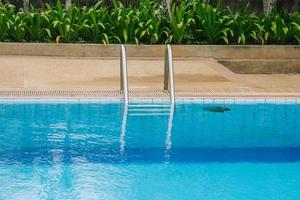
{"x": 187, "y": 22}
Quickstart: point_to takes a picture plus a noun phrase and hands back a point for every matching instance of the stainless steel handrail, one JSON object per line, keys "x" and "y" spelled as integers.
{"x": 169, "y": 74}
{"x": 123, "y": 71}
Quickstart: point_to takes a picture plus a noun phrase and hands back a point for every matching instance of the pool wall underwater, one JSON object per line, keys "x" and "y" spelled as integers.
{"x": 231, "y": 148}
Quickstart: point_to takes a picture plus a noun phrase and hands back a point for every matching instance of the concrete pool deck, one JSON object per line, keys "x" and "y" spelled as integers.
{"x": 53, "y": 76}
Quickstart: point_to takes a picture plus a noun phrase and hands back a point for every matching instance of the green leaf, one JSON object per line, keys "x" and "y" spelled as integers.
{"x": 125, "y": 35}
{"x": 48, "y": 32}
{"x": 243, "y": 38}
{"x": 266, "y": 36}
{"x": 298, "y": 39}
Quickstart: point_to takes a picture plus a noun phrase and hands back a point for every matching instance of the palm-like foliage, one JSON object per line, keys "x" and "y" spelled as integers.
{"x": 189, "y": 22}
{"x": 276, "y": 27}
{"x": 242, "y": 25}
{"x": 181, "y": 20}
{"x": 295, "y": 27}
{"x": 65, "y": 23}
{"x": 126, "y": 22}
{"x": 36, "y": 24}
{"x": 213, "y": 25}
{"x": 6, "y": 12}
{"x": 16, "y": 25}
{"x": 96, "y": 25}
{"x": 153, "y": 27}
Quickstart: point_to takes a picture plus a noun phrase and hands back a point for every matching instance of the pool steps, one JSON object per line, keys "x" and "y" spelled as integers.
{"x": 148, "y": 114}
{"x": 148, "y": 105}
{"x": 149, "y": 109}
{"x": 144, "y": 110}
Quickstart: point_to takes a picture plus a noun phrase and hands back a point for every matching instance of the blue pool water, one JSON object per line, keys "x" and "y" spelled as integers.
{"x": 236, "y": 151}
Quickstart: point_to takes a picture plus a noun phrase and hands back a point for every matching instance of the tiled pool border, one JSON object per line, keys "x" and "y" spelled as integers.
{"x": 204, "y": 100}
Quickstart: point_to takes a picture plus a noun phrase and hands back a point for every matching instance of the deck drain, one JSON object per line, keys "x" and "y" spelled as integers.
{"x": 216, "y": 109}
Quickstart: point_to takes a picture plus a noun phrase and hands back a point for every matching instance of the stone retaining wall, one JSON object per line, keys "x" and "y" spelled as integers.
{"x": 240, "y": 59}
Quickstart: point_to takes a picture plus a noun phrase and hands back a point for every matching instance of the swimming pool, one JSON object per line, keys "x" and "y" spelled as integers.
{"x": 204, "y": 149}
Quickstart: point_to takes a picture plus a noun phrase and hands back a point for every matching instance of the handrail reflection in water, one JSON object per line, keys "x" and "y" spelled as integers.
{"x": 168, "y": 143}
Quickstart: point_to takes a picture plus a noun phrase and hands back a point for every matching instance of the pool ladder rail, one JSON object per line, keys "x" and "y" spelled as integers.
{"x": 168, "y": 74}
{"x": 123, "y": 75}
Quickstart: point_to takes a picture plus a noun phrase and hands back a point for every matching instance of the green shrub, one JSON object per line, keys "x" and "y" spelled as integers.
{"x": 180, "y": 22}
{"x": 17, "y": 27}
{"x": 6, "y": 12}
{"x": 96, "y": 25}
{"x": 37, "y": 25}
{"x": 242, "y": 25}
{"x": 212, "y": 25}
{"x": 65, "y": 24}
{"x": 295, "y": 28}
{"x": 148, "y": 22}
{"x": 153, "y": 25}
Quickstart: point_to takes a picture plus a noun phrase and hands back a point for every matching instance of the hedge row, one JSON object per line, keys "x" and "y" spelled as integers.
{"x": 189, "y": 22}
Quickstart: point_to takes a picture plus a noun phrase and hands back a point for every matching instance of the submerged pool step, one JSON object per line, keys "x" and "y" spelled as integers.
{"x": 148, "y": 114}
{"x": 148, "y": 109}
{"x": 149, "y": 105}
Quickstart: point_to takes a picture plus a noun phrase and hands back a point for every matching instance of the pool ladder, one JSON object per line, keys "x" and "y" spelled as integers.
{"x": 150, "y": 109}
{"x": 153, "y": 110}
{"x": 168, "y": 74}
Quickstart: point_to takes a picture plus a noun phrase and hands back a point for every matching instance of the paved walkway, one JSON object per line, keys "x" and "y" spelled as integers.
{"x": 37, "y": 76}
